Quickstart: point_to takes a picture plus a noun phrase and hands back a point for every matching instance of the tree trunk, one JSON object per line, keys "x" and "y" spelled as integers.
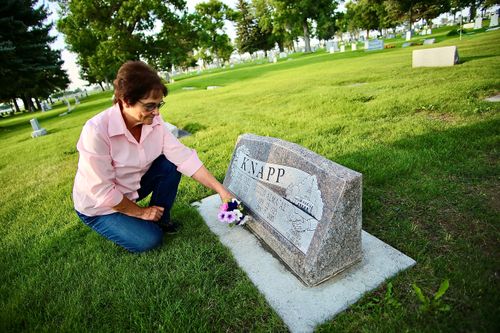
{"x": 38, "y": 106}
{"x": 280, "y": 45}
{"x": 472, "y": 10}
{"x": 15, "y": 105}
{"x": 102, "y": 88}
{"x": 411, "y": 18}
{"x": 306, "y": 36}
{"x": 27, "y": 106}
{"x": 50, "y": 100}
{"x": 367, "y": 34}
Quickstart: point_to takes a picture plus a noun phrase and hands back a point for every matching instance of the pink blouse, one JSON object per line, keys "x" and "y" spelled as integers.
{"x": 112, "y": 162}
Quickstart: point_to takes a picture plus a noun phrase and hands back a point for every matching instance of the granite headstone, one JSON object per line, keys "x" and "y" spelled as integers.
{"x": 306, "y": 208}
{"x": 435, "y": 57}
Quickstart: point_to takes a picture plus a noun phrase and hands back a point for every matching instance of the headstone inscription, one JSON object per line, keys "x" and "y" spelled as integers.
{"x": 37, "y": 130}
{"x": 494, "y": 20}
{"x": 306, "y": 208}
{"x": 435, "y": 57}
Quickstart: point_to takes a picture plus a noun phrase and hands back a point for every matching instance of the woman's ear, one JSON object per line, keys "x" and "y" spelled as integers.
{"x": 126, "y": 103}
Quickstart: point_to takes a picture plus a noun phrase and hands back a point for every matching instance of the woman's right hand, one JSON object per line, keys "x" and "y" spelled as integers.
{"x": 152, "y": 213}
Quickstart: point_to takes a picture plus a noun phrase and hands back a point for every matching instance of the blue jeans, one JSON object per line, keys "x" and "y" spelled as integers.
{"x": 132, "y": 233}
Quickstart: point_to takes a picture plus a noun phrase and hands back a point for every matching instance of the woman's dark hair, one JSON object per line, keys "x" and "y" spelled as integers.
{"x": 136, "y": 80}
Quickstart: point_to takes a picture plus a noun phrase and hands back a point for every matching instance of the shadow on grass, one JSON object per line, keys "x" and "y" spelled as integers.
{"x": 472, "y": 58}
{"x": 433, "y": 197}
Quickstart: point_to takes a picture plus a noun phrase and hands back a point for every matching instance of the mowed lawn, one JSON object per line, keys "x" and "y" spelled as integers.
{"x": 424, "y": 139}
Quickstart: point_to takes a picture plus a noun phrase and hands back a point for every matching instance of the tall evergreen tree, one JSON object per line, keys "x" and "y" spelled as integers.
{"x": 30, "y": 69}
{"x": 250, "y": 36}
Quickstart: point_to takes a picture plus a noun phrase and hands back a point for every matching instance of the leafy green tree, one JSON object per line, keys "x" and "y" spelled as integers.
{"x": 106, "y": 33}
{"x": 274, "y": 25}
{"x": 369, "y": 15}
{"x": 301, "y": 13}
{"x": 209, "y": 21}
{"x": 412, "y": 11}
{"x": 30, "y": 68}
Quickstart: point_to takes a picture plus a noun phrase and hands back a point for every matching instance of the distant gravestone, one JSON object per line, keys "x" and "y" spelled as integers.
{"x": 429, "y": 41}
{"x": 212, "y": 87}
{"x": 429, "y": 31}
{"x": 77, "y": 101}
{"x": 283, "y": 55}
{"x": 391, "y": 36}
{"x": 494, "y": 20}
{"x": 435, "y": 57}
{"x": 354, "y": 47}
{"x": 374, "y": 44}
{"x": 469, "y": 25}
{"x": 306, "y": 208}
{"x": 478, "y": 23}
{"x": 37, "y": 130}
{"x": 172, "y": 129}
{"x": 408, "y": 35}
{"x": 332, "y": 46}
{"x": 342, "y": 48}
{"x": 406, "y": 44}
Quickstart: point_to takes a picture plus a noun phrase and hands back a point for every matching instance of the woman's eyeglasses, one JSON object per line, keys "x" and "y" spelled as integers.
{"x": 150, "y": 107}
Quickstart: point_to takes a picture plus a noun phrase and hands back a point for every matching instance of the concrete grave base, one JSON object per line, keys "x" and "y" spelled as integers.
{"x": 303, "y": 308}
{"x": 495, "y": 98}
{"x": 40, "y": 132}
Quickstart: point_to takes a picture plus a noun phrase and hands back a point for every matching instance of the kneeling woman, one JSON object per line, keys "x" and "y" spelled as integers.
{"x": 126, "y": 153}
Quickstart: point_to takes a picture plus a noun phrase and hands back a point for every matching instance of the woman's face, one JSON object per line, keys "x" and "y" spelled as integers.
{"x": 144, "y": 111}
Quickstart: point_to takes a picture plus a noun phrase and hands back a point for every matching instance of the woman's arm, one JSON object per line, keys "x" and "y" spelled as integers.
{"x": 204, "y": 177}
{"x": 130, "y": 208}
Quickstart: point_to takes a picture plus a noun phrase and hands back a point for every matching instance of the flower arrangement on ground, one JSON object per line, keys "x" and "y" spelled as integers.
{"x": 232, "y": 212}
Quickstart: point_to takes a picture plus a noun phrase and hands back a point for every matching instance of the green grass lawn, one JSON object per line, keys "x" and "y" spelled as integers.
{"x": 424, "y": 139}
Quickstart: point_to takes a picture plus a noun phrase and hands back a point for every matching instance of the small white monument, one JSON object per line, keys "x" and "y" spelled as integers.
{"x": 354, "y": 47}
{"x": 408, "y": 35}
{"x": 37, "y": 130}
{"x": 494, "y": 20}
{"x": 478, "y": 23}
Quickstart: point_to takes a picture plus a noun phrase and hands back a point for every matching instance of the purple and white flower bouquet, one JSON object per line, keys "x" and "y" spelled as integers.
{"x": 232, "y": 212}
